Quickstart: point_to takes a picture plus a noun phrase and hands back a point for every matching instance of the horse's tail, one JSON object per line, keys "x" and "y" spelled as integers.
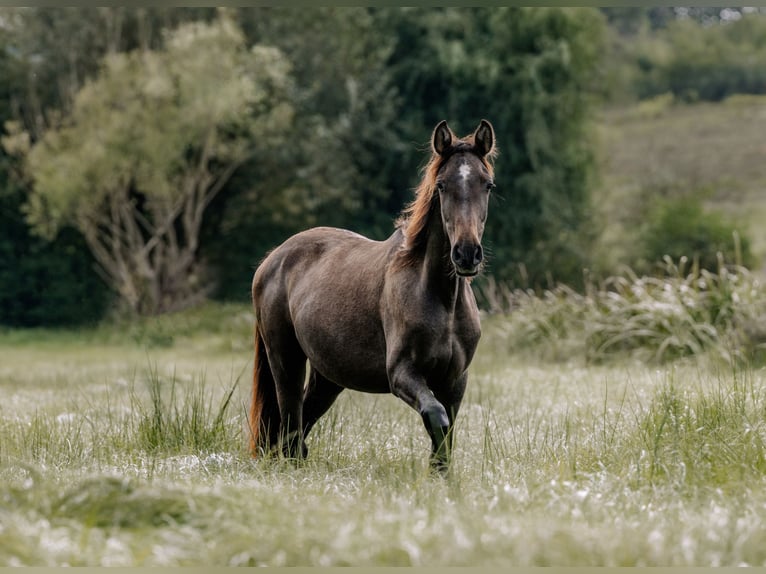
{"x": 264, "y": 409}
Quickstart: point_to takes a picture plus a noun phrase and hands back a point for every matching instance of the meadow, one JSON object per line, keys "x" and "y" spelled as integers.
{"x": 124, "y": 445}
{"x": 661, "y": 149}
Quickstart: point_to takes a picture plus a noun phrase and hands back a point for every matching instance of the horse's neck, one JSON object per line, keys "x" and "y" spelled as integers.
{"x": 438, "y": 275}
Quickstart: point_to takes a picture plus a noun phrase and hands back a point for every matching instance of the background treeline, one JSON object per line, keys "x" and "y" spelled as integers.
{"x": 335, "y": 137}
{"x": 693, "y": 53}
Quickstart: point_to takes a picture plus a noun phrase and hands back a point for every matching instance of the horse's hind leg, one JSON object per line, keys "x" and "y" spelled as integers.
{"x": 319, "y": 396}
{"x": 288, "y": 366}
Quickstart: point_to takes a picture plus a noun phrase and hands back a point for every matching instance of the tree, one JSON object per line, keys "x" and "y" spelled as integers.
{"x": 529, "y": 71}
{"x": 541, "y": 93}
{"x": 59, "y": 48}
{"x": 147, "y": 146}
{"x": 41, "y": 283}
{"x": 337, "y": 168}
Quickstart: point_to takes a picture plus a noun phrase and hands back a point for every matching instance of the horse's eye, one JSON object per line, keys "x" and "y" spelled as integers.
{"x": 490, "y": 186}
{"x": 439, "y": 186}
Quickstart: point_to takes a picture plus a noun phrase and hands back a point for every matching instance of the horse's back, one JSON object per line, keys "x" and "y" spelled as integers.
{"x": 324, "y": 285}
{"x": 325, "y": 257}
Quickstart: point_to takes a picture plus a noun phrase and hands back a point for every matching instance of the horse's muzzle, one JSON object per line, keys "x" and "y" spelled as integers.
{"x": 467, "y": 257}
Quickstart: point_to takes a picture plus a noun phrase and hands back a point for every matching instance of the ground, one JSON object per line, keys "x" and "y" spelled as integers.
{"x": 118, "y": 447}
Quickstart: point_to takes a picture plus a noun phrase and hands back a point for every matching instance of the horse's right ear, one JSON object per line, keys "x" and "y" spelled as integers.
{"x": 442, "y": 137}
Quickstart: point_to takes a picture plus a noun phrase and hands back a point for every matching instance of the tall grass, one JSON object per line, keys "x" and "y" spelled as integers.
{"x": 683, "y": 313}
{"x": 614, "y": 463}
{"x": 166, "y": 417}
{"x": 715, "y": 438}
{"x": 188, "y": 421}
{"x": 668, "y": 474}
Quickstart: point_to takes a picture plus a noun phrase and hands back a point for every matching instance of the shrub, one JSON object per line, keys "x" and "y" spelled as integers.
{"x": 42, "y": 283}
{"x": 680, "y": 227}
{"x": 655, "y": 318}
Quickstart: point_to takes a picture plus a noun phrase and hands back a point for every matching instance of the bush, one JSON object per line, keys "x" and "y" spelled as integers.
{"x": 42, "y": 283}
{"x": 682, "y": 228}
{"x": 653, "y": 318}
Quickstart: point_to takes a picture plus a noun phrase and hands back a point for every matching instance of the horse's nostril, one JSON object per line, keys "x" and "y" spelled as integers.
{"x": 457, "y": 254}
{"x": 478, "y": 255}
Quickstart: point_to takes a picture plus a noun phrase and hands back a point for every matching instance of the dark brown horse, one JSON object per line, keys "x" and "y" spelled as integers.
{"x": 395, "y": 316}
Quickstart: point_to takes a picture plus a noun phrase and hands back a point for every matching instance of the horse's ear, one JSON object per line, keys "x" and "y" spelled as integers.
{"x": 442, "y": 137}
{"x": 484, "y": 138}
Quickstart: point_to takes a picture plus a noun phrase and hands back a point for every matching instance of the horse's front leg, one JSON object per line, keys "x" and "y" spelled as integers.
{"x": 451, "y": 396}
{"x": 412, "y": 388}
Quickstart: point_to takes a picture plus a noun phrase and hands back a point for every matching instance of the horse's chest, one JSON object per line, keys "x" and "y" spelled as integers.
{"x": 435, "y": 340}
{"x": 450, "y": 349}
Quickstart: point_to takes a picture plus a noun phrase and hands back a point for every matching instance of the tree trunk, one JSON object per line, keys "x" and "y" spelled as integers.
{"x": 151, "y": 259}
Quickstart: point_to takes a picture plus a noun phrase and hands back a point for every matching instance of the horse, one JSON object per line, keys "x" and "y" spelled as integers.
{"x": 395, "y": 316}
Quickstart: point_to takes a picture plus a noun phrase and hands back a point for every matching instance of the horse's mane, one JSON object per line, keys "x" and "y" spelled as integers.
{"x": 413, "y": 220}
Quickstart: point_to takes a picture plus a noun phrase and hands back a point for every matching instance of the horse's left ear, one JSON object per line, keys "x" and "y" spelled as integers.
{"x": 484, "y": 138}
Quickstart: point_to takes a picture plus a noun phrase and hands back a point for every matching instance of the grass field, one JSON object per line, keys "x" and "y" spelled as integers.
{"x": 124, "y": 445}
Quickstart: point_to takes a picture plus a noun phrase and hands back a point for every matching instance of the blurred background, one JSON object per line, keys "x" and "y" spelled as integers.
{"x": 151, "y": 157}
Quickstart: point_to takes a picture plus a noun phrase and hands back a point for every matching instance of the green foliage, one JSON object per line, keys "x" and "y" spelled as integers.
{"x": 42, "y": 283}
{"x": 49, "y": 285}
{"x": 340, "y": 165}
{"x": 353, "y": 94}
{"x": 59, "y": 48}
{"x": 148, "y": 121}
{"x": 531, "y": 79}
{"x": 146, "y": 148}
{"x": 544, "y": 216}
{"x": 682, "y": 228}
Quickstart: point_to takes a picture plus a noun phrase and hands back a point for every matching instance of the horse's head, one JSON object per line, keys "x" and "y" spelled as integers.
{"x": 463, "y": 184}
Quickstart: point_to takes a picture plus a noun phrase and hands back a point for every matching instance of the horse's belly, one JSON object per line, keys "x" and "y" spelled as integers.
{"x": 347, "y": 351}
{"x": 351, "y": 367}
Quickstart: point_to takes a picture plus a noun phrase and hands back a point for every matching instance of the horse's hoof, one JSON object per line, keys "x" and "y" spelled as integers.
{"x": 439, "y": 466}
{"x": 293, "y": 451}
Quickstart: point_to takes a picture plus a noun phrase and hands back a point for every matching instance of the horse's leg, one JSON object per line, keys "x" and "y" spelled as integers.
{"x": 288, "y": 366}
{"x": 451, "y": 397}
{"x": 319, "y": 396}
{"x": 413, "y": 390}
